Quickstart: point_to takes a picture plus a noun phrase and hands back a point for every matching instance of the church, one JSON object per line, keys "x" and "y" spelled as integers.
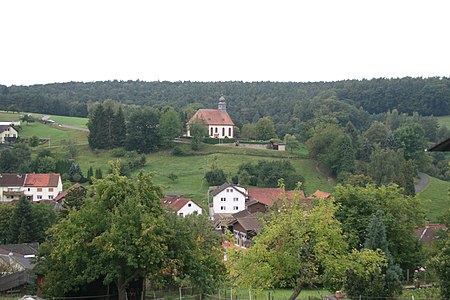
{"x": 218, "y": 121}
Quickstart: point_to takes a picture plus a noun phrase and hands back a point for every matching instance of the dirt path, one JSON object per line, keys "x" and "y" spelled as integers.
{"x": 73, "y": 127}
{"x": 423, "y": 182}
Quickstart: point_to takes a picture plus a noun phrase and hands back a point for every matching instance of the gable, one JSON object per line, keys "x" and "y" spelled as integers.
{"x": 42, "y": 180}
{"x": 226, "y": 185}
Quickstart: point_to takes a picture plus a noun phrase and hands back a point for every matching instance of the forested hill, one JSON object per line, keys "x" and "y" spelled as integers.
{"x": 247, "y": 101}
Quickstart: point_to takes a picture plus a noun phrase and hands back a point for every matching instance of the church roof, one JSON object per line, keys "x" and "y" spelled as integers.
{"x": 212, "y": 117}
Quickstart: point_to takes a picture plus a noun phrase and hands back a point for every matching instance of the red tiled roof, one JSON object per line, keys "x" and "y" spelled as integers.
{"x": 64, "y": 193}
{"x": 212, "y": 117}
{"x": 267, "y": 195}
{"x": 176, "y": 202}
{"x": 42, "y": 180}
{"x": 319, "y": 194}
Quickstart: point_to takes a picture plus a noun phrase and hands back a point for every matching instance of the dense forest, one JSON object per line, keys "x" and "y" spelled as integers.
{"x": 247, "y": 101}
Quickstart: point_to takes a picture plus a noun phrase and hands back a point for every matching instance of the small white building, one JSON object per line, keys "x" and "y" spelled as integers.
{"x": 182, "y": 206}
{"x": 218, "y": 121}
{"x": 7, "y": 133}
{"x": 228, "y": 199}
{"x": 39, "y": 187}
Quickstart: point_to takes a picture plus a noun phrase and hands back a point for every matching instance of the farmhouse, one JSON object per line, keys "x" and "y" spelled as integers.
{"x": 8, "y": 134}
{"x": 35, "y": 187}
{"x": 218, "y": 121}
{"x": 182, "y": 206}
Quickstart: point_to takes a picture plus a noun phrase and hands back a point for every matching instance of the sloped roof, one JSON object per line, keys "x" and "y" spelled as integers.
{"x": 321, "y": 194}
{"x": 224, "y": 186}
{"x": 42, "y": 180}
{"x": 4, "y": 127}
{"x": 12, "y": 180}
{"x": 442, "y": 146}
{"x": 267, "y": 196}
{"x": 212, "y": 117}
{"x": 21, "y": 249}
{"x": 63, "y": 194}
{"x": 251, "y": 222}
{"x": 175, "y": 202}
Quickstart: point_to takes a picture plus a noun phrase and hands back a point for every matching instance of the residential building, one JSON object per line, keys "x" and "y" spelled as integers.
{"x": 8, "y": 134}
{"x": 228, "y": 199}
{"x": 35, "y": 187}
{"x": 182, "y": 206}
{"x": 218, "y": 121}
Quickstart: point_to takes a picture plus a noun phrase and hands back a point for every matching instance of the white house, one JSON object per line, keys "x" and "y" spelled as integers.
{"x": 11, "y": 186}
{"x": 182, "y": 206}
{"x": 218, "y": 121}
{"x": 228, "y": 199}
{"x": 39, "y": 187}
{"x": 7, "y": 132}
{"x": 35, "y": 187}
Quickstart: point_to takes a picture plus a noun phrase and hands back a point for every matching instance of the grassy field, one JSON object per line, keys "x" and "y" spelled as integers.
{"x": 435, "y": 197}
{"x": 58, "y": 135}
{"x": 73, "y": 121}
{"x": 444, "y": 121}
{"x": 190, "y": 169}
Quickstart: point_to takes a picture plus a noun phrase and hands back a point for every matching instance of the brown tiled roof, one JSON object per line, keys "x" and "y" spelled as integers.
{"x": 267, "y": 196}
{"x": 212, "y": 117}
{"x": 12, "y": 180}
{"x": 175, "y": 202}
{"x": 4, "y": 127}
{"x": 251, "y": 222}
{"x": 44, "y": 180}
{"x": 22, "y": 249}
{"x": 64, "y": 193}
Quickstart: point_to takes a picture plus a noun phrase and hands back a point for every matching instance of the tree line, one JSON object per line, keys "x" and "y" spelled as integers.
{"x": 248, "y": 101}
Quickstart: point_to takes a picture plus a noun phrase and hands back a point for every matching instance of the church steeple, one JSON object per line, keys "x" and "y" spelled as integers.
{"x": 222, "y": 104}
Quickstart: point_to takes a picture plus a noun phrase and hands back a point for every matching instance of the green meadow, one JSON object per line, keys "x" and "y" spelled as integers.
{"x": 435, "y": 198}
{"x": 444, "y": 121}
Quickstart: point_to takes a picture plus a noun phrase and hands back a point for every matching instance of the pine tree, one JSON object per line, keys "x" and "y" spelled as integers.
{"x": 22, "y": 225}
{"x": 97, "y": 128}
{"x": 119, "y": 130}
{"x": 98, "y": 173}
{"x": 90, "y": 174}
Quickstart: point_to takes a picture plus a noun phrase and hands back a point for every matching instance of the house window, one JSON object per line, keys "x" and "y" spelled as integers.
{"x": 28, "y": 189}
{"x": 222, "y": 208}
{"x": 229, "y": 132}
{"x": 235, "y": 207}
{"x": 50, "y": 197}
{"x": 180, "y": 214}
{"x": 211, "y": 131}
{"x": 223, "y": 199}
{"x": 39, "y": 189}
{"x": 189, "y": 204}
{"x": 223, "y": 131}
{"x": 217, "y": 130}
{"x": 235, "y": 199}
{"x": 39, "y": 197}
{"x": 50, "y": 189}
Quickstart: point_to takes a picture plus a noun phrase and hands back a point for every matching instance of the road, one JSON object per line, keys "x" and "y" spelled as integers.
{"x": 423, "y": 182}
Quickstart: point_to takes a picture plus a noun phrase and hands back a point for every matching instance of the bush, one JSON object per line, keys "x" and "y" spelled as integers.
{"x": 178, "y": 151}
{"x": 215, "y": 177}
{"x": 33, "y": 141}
{"x": 118, "y": 152}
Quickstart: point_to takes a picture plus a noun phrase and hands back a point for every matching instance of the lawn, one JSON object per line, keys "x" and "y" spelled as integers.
{"x": 444, "y": 121}
{"x": 277, "y": 294}
{"x": 190, "y": 169}
{"x": 73, "y": 121}
{"x": 436, "y": 198}
{"x": 58, "y": 135}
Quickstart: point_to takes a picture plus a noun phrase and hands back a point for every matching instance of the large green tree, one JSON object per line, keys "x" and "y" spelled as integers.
{"x": 198, "y": 131}
{"x": 265, "y": 129}
{"x": 22, "y": 226}
{"x": 143, "y": 133}
{"x": 401, "y": 216}
{"x": 300, "y": 247}
{"x": 170, "y": 127}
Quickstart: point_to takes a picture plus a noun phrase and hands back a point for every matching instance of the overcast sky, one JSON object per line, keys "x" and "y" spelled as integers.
{"x": 63, "y": 40}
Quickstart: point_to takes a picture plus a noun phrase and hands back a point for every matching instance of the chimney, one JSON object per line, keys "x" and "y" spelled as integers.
{"x": 222, "y": 104}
